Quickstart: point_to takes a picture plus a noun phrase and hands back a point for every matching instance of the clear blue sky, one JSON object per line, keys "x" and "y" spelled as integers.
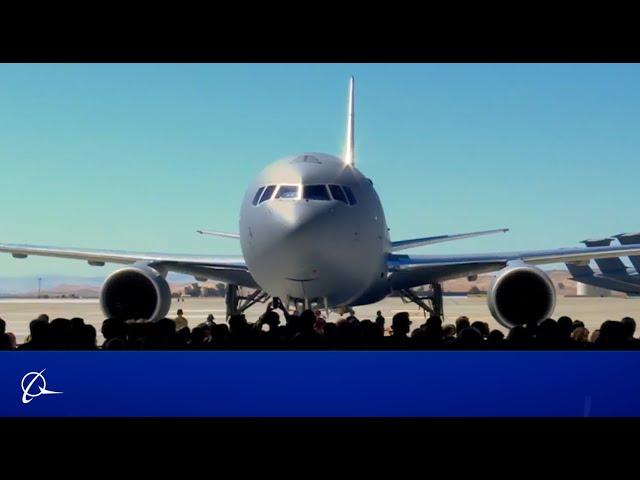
{"x": 140, "y": 156}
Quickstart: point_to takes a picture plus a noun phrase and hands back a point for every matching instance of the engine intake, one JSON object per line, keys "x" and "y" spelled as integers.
{"x": 134, "y": 293}
{"x": 521, "y": 294}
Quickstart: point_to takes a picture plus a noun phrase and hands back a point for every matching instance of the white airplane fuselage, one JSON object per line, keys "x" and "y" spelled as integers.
{"x": 315, "y": 249}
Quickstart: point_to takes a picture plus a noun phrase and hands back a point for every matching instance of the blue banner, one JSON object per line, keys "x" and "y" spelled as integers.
{"x": 320, "y": 384}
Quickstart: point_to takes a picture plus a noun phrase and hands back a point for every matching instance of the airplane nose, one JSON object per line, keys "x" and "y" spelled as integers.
{"x": 301, "y": 244}
{"x": 299, "y": 249}
{"x": 302, "y": 219}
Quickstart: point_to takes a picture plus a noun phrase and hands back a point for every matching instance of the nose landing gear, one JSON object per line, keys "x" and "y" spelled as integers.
{"x": 300, "y": 304}
{"x": 237, "y": 303}
{"x": 434, "y": 299}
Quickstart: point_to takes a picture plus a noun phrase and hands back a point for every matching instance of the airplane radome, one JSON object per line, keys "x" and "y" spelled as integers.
{"x": 313, "y": 232}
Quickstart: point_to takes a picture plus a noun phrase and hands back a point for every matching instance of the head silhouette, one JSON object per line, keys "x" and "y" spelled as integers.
{"x": 629, "y": 326}
{"x": 448, "y": 331}
{"x": 613, "y": 334}
{"x": 307, "y": 321}
{"x": 482, "y": 327}
{"x": 462, "y": 322}
{"x": 565, "y": 326}
{"x": 166, "y": 327}
{"x": 39, "y": 331}
{"x": 495, "y": 336}
{"x": 6, "y": 342}
{"x": 433, "y": 328}
{"x": 198, "y": 336}
{"x": 576, "y": 324}
{"x": 220, "y": 333}
{"x": 272, "y": 319}
{"x": 401, "y": 324}
{"x": 238, "y": 325}
{"x": 548, "y": 331}
{"x": 580, "y": 335}
{"x": 88, "y": 336}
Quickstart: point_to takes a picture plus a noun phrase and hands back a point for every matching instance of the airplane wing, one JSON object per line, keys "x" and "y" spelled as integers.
{"x": 230, "y": 268}
{"x": 416, "y": 242}
{"x": 408, "y": 271}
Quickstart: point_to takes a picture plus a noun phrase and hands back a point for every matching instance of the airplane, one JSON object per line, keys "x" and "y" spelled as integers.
{"x": 312, "y": 231}
{"x": 614, "y": 274}
{"x": 585, "y": 274}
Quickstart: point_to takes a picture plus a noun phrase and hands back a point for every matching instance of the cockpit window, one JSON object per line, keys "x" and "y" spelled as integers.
{"x": 256, "y": 197}
{"x": 287, "y": 191}
{"x": 340, "y": 193}
{"x": 337, "y": 193}
{"x": 315, "y": 192}
{"x": 268, "y": 191}
{"x": 350, "y": 195}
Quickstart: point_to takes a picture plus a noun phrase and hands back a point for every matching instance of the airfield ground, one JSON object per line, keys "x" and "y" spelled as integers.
{"x": 592, "y": 311}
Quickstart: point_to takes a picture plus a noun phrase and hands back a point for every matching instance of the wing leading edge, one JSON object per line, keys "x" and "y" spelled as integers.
{"x": 407, "y": 271}
{"x": 230, "y": 268}
{"x": 416, "y": 242}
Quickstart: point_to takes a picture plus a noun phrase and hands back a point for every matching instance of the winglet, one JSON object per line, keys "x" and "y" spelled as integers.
{"x": 350, "y": 150}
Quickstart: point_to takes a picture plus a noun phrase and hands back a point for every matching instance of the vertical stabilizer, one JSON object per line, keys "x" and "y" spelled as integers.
{"x": 350, "y": 151}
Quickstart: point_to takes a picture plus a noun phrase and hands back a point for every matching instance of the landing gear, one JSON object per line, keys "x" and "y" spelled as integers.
{"x": 433, "y": 303}
{"x": 302, "y": 304}
{"x": 436, "y": 300}
{"x": 237, "y": 303}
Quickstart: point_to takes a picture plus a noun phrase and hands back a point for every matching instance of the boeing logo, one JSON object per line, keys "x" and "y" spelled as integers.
{"x": 28, "y": 383}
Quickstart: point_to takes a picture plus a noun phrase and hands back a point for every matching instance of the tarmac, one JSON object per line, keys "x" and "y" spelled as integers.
{"x": 592, "y": 311}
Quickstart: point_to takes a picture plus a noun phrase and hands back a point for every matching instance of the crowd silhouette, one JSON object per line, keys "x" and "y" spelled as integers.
{"x": 277, "y": 329}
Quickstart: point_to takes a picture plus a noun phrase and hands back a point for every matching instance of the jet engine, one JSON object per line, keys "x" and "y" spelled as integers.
{"x": 520, "y": 294}
{"x": 137, "y": 292}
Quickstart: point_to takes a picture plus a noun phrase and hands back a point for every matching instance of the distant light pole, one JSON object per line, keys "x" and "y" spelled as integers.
{"x": 39, "y": 284}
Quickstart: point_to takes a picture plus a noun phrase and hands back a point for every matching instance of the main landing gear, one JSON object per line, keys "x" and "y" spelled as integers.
{"x": 238, "y": 303}
{"x": 429, "y": 302}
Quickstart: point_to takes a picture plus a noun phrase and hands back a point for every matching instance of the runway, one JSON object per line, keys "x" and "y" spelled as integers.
{"x": 592, "y": 311}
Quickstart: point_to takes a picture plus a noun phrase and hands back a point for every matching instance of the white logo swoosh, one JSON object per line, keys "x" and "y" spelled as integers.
{"x": 27, "y": 385}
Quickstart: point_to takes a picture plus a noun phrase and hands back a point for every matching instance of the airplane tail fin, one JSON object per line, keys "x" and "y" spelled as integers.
{"x": 350, "y": 153}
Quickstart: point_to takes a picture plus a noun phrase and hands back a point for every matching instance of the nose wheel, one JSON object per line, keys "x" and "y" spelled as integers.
{"x": 430, "y": 302}
{"x": 237, "y": 303}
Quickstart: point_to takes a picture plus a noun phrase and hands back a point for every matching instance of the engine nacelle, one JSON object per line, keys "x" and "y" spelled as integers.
{"x": 519, "y": 294}
{"x": 134, "y": 293}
